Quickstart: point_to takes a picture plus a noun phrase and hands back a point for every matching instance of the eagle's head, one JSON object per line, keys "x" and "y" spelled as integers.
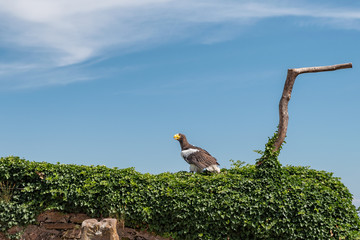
{"x": 179, "y": 136}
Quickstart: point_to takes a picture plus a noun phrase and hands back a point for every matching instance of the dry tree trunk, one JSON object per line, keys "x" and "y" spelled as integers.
{"x": 285, "y": 98}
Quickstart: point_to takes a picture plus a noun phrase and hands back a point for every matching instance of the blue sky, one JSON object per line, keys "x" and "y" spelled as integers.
{"x": 110, "y": 82}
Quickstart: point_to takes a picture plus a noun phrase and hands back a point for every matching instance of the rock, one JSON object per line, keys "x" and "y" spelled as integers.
{"x": 126, "y": 233}
{"x": 54, "y": 225}
{"x": 14, "y": 230}
{"x": 2, "y": 236}
{"x": 33, "y": 232}
{"x": 53, "y": 217}
{"x": 78, "y": 217}
{"x": 72, "y": 234}
{"x": 91, "y": 229}
{"x": 140, "y": 238}
{"x": 59, "y": 226}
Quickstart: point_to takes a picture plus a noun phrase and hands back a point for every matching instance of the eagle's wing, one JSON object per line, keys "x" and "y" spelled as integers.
{"x": 202, "y": 159}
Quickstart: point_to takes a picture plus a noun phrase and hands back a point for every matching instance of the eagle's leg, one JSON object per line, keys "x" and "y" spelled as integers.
{"x": 193, "y": 168}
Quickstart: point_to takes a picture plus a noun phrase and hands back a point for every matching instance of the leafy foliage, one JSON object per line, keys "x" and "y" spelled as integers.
{"x": 263, "y": 201}
{"x": 269, "y": 159}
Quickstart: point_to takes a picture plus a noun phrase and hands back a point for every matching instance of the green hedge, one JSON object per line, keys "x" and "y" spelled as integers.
{"x": 245, "y": 202}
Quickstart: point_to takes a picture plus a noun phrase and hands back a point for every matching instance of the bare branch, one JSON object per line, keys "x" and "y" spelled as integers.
{"x": 322, "y": 68}
{"x": 285, "y": 98}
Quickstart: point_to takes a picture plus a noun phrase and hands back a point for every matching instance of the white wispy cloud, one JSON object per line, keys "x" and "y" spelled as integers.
{"x": 53, "y": 34}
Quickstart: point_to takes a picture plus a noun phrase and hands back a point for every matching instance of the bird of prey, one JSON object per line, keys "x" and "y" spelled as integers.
{"x": 198, "y": 158}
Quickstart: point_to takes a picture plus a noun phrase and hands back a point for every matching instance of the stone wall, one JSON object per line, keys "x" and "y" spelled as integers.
{"x": 53, "y": 225}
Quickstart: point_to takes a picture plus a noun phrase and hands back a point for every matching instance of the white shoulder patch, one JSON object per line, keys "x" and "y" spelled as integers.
{"x": 187, "y": 152}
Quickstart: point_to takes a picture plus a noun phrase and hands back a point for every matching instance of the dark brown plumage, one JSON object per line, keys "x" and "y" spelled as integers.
{"x": 198, "y": 158}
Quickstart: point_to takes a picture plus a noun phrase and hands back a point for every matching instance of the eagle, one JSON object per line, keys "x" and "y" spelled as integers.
{"x": 198, "y": 158}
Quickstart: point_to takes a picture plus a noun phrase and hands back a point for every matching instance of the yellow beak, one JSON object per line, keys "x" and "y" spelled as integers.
{"x": 176, "y": 136}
